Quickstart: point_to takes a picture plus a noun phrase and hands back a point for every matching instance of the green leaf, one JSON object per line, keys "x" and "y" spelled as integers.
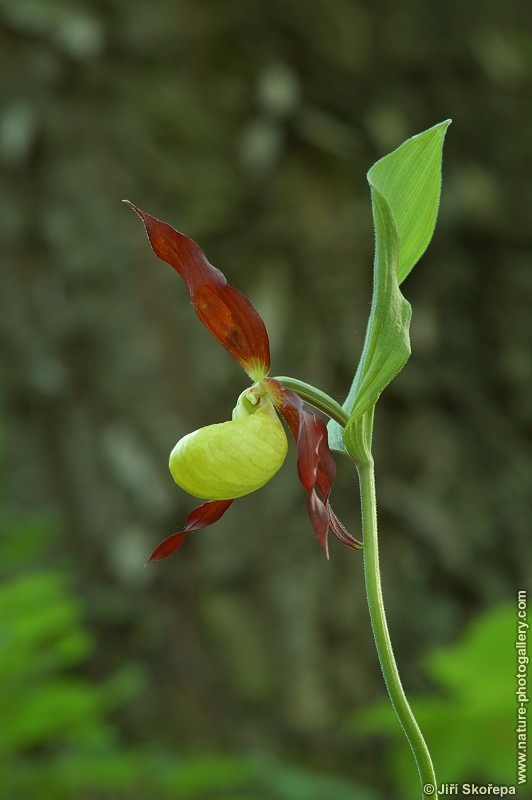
{"x": 405, "y": 189}
{"x": 387, "y": 343}
{"x": 410, "y": 180}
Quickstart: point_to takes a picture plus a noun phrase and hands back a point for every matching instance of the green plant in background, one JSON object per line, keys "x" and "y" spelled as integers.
{"x": 222, "y": 462}
{"x": 57, "y": 740}
{"x": 474, "y": 714}
{"x": 56, "y": 736}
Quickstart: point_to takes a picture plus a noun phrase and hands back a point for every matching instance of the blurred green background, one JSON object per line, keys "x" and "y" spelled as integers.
{"x": 243, "y": 668}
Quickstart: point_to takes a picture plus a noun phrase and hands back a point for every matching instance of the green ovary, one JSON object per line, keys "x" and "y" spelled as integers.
{"x": 230, "y": 459}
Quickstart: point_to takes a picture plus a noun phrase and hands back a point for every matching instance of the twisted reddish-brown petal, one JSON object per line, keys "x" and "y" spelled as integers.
{"x": 200, "y": 517}
{"x": 315, "y": 463}
{"x": 224, "y": 311}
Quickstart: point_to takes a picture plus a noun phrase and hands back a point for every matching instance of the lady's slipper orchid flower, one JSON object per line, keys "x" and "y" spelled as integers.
{"x": 222, "y": 462}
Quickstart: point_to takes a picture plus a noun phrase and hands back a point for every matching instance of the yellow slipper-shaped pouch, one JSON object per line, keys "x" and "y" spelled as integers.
{"x": 231, "y": 459}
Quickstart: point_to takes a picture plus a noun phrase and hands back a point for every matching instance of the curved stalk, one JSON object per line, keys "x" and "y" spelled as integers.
{"x": 317, "y": 398}
{"x": 382, "y": 636}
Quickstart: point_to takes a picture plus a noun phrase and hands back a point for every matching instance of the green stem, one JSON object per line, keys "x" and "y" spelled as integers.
{"x": 360, "y": 451}
{"x": 317, "y": 398}
{"x": 381, "y": 634}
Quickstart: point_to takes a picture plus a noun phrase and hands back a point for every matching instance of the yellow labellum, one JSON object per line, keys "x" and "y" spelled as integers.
{"x": 231, "y": 459}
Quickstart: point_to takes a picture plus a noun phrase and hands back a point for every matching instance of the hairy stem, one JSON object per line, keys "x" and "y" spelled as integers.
{"x": 381, "y": 634}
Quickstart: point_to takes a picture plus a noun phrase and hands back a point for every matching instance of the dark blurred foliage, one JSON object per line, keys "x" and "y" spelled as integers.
{"x": 250, "y": 127}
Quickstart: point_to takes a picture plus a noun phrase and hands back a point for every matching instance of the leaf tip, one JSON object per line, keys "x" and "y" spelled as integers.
{"x": 134, "y": 207}
{"x": 444, "y": 125}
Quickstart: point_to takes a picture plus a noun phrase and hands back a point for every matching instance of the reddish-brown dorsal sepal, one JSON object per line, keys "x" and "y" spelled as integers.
{"x": 225, "y": 312}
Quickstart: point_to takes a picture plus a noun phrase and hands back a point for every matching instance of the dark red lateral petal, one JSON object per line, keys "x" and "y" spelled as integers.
{"x": 319, "y": 519}
{"x": 315, "y": 464}
{"x": 308, "y": 443}
{"x": 306, "y": 427}
{"x": 199, "y": 518}
{"x": 224, "y": 311}
{"x": 326, "y": 472}
{"x": 341, "y": 533}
